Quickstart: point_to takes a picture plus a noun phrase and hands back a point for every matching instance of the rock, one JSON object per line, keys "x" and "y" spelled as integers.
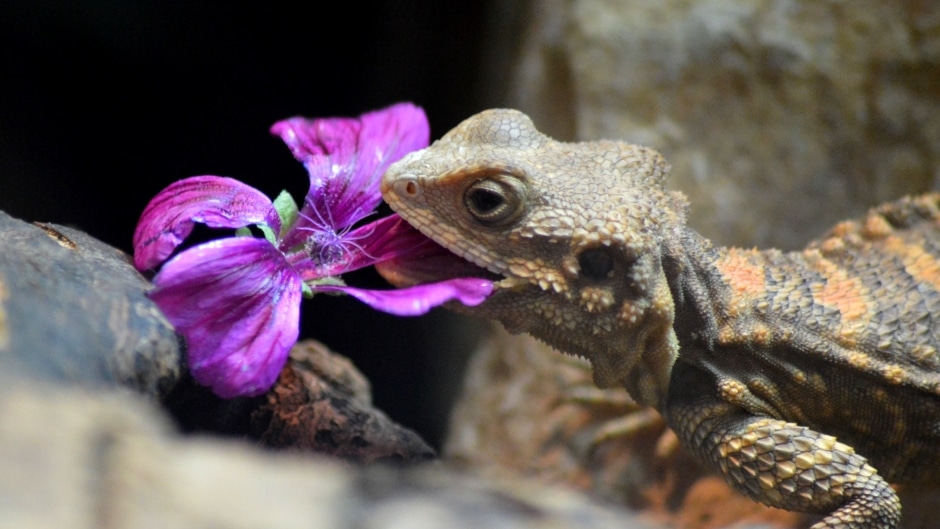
{"x": 107, "y": 459}
{"x": 780, "y": 118}
{"x": 74, "y": 310}
{"x": 322, "y": 403}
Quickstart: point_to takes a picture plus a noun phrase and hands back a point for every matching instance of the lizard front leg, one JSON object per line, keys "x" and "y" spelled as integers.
{"x": 783, "y": 464}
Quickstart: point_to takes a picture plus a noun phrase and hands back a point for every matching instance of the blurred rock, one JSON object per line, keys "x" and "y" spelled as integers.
{"x": 74, "y": 310}
{"x": 780, "y": 118}
{"x": 80, "y": 459}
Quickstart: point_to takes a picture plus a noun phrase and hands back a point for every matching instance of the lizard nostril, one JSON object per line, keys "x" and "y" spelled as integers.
{"x": 407, "y": 187}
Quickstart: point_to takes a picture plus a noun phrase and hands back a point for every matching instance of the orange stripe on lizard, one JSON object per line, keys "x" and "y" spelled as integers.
{"x": 845, "y": 293}
{"x": 745, "y": 276}
{"x": 922, "y": 266}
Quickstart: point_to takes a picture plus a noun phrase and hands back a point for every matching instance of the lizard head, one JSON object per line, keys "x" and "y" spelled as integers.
{"x": 570, "y": 232}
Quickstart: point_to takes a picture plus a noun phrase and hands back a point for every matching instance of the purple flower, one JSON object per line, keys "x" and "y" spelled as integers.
{"x": 236, "y": 300}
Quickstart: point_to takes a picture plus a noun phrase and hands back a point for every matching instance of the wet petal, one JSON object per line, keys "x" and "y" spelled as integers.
{"x": 237, "y": 303}
{"x": 418, "y": 300}
{"x": 215, "y": 201}
{"x": 346, "y": 158}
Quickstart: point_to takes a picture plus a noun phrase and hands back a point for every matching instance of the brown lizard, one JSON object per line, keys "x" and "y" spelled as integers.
{"x": 807, "y": 379}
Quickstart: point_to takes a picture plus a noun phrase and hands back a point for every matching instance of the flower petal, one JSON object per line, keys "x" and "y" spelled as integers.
{"x": 215, "y": 201}
{"x": 381, "y": 240}
{"x": 346, "y": 158}
{"x": 418, "y": 300}
{"x": 237, "y": 303}
{"x": 387, "y": 238}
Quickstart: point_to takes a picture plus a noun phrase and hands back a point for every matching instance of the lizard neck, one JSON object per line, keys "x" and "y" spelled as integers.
{"x": 683, "y": 309}
{"x": 696, "y": 286}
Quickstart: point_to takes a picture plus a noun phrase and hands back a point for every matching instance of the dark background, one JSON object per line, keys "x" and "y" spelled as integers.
{"x": 104, "y": 103}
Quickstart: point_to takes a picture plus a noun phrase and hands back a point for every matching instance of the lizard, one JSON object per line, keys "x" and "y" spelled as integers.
{"x": 809, "y": 380}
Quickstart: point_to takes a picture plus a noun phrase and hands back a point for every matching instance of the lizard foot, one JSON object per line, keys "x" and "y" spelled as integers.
{"x": 629, "y": 419}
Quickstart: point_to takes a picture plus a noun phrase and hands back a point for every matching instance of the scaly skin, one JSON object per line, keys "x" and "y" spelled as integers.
{"x": 808, "y": 379}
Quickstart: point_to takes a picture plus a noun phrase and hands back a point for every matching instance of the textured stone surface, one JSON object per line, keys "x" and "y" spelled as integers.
{"x": 79, "y": 459}
{"x": 73, "y": 309}
{"x": 322, "y": 403}
{"x": 780, "y": 117}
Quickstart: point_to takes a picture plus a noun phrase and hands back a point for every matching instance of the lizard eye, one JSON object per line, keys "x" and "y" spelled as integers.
{"x": 495, "y": 202}
{"x": 596, "y": 263}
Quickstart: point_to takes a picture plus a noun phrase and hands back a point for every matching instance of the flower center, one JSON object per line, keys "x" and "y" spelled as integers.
{"x": 326, "y": 248}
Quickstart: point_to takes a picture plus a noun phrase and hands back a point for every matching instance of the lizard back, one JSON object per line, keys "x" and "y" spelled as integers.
{"x": 843, "y": 336}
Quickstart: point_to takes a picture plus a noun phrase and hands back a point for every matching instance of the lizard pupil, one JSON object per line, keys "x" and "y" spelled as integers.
{"x": 485, "y": 200}
{"x": 596, "y": 264}
{"x": 496, "y": 201}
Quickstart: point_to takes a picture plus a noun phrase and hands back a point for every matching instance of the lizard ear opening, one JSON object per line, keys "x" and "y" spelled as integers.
{"x": 596, "y": 263}
{"x": 496, "y": 201}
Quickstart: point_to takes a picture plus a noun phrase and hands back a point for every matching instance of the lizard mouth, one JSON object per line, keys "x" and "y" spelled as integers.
{"x": 430, "y": 263}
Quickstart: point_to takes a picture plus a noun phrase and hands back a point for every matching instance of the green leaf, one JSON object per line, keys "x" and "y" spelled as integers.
{"x": 310, "y": 286}
{"x": 287, "y": 210}
{"x": 268, "y": 233}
